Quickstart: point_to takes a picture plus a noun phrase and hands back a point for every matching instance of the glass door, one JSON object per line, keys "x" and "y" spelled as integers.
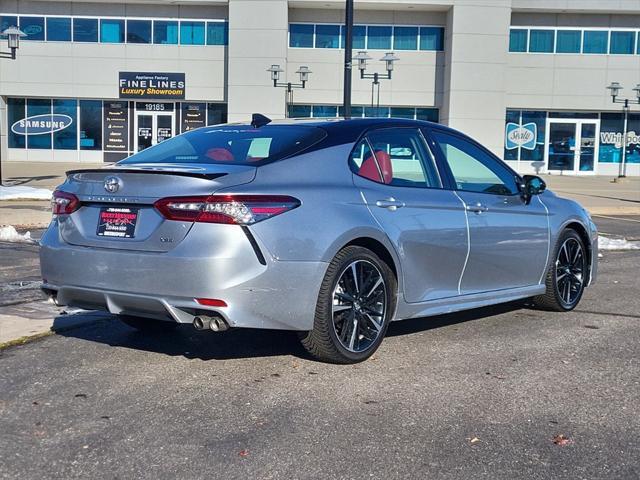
{"x": 144, "y": 132}
{"x": 152, "y": 128}
{"x": 572, "y": 146}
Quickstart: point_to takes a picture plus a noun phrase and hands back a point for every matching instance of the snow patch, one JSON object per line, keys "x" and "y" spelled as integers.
{"x": 20, "y": 192}
{"x": 606, "y": 243}
{"x": 10, "y": 234}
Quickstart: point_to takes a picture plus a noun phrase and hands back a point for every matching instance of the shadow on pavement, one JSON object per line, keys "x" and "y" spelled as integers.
{"x": 242, "y": 343}
{"x": 15, "y": 181}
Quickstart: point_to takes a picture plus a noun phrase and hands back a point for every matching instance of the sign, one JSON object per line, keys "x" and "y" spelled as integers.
{"x": 615, "y": 138}
{"x": 521, "y": 136}
{"x": 41, "y": 124}
{"x": 194, "y": 115}
{"x": 154, "y": 107}
{"x": 151, "y": 85}
{"x": 116, "y": 122}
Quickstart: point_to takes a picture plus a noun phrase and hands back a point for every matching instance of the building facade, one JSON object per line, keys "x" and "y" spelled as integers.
{"x": 95, "y": 82}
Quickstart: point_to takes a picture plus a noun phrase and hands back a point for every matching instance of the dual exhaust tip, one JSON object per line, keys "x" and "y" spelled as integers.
{"x": 216, "y": 324}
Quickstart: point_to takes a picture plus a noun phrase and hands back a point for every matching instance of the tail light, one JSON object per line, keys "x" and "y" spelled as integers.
{"x": 233, "y": 209}
{"x": 63, "y": 203}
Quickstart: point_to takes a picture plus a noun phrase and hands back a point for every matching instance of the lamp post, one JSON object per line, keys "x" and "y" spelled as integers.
{"x": 348, "y": 44}
{"x": 389, "y": 59}
{"x": 303, "y": 71}
{"x": 614, "y": 89}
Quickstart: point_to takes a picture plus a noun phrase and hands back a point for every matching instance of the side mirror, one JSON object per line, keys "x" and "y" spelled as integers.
{"x": 531, "y": 185}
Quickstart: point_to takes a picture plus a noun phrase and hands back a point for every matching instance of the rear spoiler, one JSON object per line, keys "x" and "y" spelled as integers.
{"x": 206, "y": 176}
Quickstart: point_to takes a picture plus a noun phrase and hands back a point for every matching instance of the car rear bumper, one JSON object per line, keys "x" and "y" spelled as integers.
{"x": 278, "y": 295}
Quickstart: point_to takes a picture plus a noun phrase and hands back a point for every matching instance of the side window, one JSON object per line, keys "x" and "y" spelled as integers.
{"x": 473, "y": 169}
{"x": 399, "y": 158}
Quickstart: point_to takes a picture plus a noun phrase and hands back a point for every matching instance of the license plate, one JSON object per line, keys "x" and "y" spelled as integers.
{"x": 117, "y": 222}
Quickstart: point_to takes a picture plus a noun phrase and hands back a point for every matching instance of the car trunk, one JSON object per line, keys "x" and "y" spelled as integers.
{"x": 138, "y": 225}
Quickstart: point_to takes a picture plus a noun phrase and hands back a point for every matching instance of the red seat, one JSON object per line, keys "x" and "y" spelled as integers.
{"x": 369, "y": 169}
{"x": 220, "y": 154}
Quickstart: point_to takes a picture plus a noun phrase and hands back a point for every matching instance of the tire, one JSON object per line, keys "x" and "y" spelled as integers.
{"x": 148, "y": 325}
{"x": 566, "y": 274}
{"x": 350, "y": 331}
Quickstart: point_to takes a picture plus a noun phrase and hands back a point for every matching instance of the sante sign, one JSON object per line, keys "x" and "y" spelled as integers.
{"x": 151, "y": 85}
{"x": 41, "y": 124}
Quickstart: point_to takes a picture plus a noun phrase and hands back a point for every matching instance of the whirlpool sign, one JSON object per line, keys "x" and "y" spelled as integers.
{"x": 41, "y": 124}
{"x": 521, "y": 136}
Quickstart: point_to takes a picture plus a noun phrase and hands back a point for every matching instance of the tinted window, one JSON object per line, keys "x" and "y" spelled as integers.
{"x": 90, "y": 125}
{"x": 37, "y": 106}
{"x": 138, "y": 31}
{"x": 359, "y": 37}
{"x": 299, "y": 111}
{"x": 15, "y": 112}
{"x": 217, "y": 33}
{"x": 622, "y": 42}
{"x": 429, "y": 114}
{"x": 216, "y": 113}
{"x": 85, "y": 30}
{"x": 33, "y": 27}
{"x": 473, "y": 169}
{"x": 400, "y": 159}
{"x": 379, "y": 38}
{"x": 165, "y": 32}
{"x": 569, "y": 41}
{"x": 58, "y": 29}
{"x": 300, "y": 35}
{"x": 7, "y": 21}
{"x": 192, "y": 33}
{"x": 541, "y": 41}
{"x": 327, "y": 36}
{"x": 237, "y": 145}
{"x": 67, "y": 138}
{"x": 405, "y": 38}
{"x": 112, "y": 31}
{"x": 518, "y": 40}
{"x": 324, "y": 111}
{"x": 431, "y": 38}
{"x": 595, "y": 41}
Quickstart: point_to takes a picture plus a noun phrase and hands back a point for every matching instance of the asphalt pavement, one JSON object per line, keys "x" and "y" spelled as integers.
{"x": 480, "y": 394}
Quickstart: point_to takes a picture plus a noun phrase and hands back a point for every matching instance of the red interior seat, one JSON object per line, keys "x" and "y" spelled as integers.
{"x": 369, "y": 169}
{"x": 220, "y": 154}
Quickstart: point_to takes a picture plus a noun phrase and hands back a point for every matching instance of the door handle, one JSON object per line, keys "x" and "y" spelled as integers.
{"x": 477, "y": 208}
{"x": 390, "y": 203}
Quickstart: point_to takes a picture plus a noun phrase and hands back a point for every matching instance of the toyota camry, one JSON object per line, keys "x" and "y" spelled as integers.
{"x": 332, "y": 228}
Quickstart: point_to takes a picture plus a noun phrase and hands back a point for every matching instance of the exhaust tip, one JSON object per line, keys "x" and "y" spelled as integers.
{"x": 215, "y": 324}
{"x": 201, "y": 323}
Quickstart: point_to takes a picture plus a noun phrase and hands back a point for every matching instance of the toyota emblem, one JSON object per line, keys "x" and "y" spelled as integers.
{"x": 112, "y": 184}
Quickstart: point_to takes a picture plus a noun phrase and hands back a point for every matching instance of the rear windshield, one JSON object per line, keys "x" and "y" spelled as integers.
{"x": 231, "y": 144}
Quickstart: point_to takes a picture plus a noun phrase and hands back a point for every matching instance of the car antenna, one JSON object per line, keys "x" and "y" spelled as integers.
{"x": 258, "y": 120}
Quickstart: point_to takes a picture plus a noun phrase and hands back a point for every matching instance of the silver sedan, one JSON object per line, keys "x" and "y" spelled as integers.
{"x": 332, "y": 228}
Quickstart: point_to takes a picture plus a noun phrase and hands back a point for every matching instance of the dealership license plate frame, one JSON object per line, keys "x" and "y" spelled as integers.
{"x": 117, "y": 222}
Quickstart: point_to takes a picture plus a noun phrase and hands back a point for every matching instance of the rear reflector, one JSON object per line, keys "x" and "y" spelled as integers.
{"x": 233, "y": 209}
{"x": 211, "y": 302}
{"x": 63, "y": 203}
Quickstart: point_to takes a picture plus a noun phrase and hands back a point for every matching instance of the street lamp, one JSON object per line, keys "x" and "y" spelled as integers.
{"x": 615, "y": 89}
{"x": 389, "y": 59}
{"x": 13, "y": 35}
{"x": 303, "y": 72}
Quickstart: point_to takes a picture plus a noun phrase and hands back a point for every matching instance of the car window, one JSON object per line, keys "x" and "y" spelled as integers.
{"x": 473, "y": 169}
{"x": 399, "y": 158}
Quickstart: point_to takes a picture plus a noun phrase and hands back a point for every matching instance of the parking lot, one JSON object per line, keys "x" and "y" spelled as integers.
{"x": 501, "y": 392}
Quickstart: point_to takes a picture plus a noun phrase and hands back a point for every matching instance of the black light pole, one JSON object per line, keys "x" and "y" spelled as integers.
{"x": 615, "y": 88}
{"x": 348, "y": 42}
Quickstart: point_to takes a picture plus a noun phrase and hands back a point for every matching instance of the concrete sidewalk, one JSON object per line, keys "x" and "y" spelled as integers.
{"x": 598, "y": 194}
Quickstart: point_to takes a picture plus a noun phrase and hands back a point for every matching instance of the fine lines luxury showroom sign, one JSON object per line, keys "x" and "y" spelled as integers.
{"x": 170, "y": 86}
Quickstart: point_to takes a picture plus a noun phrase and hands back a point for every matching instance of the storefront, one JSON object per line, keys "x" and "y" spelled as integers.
{"x": 580, "y": 143}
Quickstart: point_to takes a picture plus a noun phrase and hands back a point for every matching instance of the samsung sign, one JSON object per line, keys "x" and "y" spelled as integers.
{"x": 41, "y": 124}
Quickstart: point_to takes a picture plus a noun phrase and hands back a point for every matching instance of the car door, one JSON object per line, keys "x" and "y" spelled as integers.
{"x": 509, "y": 238}
{"x": 400, "y": 184}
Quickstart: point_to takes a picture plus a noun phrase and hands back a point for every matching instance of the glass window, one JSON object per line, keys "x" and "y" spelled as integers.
{"x": 402, "y": 159}
{"x": 216, "y": 113}
{"x": 359, "y": 37}
{"x": 217, "y": 33}
{"x": 379, "y": 38}
{"x": 299, "y": 111}
{"x": 473, "y": 169}
{"x": 431, "y": 38}
{"x": 518, "y": 40}
{"x": 111, "y": 31}
{"x": 359, "y": 154}
{"x": 90, "y": 125}
{"x": 138, "y": 31}
{"x": 15, "y": 112}
{"x": 569, "y": 41}
{"x": 58, "y": 29}
{"x": 85, "y": 30}
{"x": 428, "y": 114}
{"x": 33, "y": 27}
{"x": 356, "y": 111}
{"x": 511, "y": 151}
{"x": 595, "y": 41}
{"x": 192, "y": 33}
{"x": 325, "y": 111}
{"x": 38, "y": 106}
{"x": 165, "y": 32}
{"x": 300, "y": 35}
{"x": 327, "y": 36}
{"x": 67, "y": 138}
{"x": 541, "y": 41}
{"x": 7, "y": 21}
{"x": 231, "y": 144}
{"x": 405, "y": 38}
{"x": 403, "y": 112}
{"x": 380, "y": 112}
{"x": 622, "y": 43}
